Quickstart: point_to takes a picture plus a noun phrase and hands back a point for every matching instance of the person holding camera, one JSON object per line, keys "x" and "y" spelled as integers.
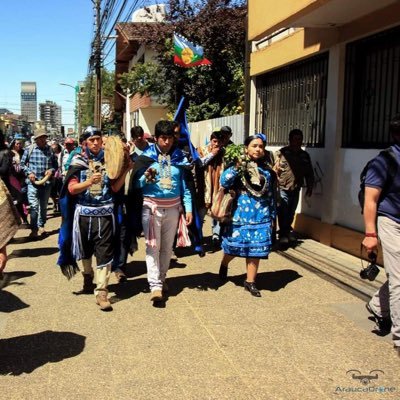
{"x": 382, "y": 220}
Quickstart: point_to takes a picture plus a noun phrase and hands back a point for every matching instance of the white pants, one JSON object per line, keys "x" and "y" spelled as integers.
{"x": 386, "y": 301}
{"x": 159, "y": 257}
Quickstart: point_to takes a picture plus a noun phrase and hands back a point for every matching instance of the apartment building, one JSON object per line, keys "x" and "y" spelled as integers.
{"x": 332, "y": 69}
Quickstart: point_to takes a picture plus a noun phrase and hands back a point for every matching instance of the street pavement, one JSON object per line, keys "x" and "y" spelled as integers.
{"x": 305, "y": 338}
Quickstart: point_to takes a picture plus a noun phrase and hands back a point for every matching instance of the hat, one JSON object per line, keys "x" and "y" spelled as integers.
{"x": 39, "y": 133}
{"x": 91, "y": 131}
{"x": 69, "y": 141}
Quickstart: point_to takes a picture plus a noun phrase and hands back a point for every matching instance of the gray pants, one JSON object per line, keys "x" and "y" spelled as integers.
{"x": 386, "y": 301}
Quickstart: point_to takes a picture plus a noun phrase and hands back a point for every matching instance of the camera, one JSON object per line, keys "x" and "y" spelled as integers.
{"x": 372, "y": 270}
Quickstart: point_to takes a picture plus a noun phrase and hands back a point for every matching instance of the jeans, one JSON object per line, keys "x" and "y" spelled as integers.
{"x": 38, "y": 197}
{"x": 287, "y": 209}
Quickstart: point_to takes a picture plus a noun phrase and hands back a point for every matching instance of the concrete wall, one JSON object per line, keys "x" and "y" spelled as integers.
{"x": 148, "y": 117}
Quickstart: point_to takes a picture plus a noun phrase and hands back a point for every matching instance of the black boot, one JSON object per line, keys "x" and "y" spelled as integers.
{"x": 88, "y": 285}
{"x": 251, "y": 287}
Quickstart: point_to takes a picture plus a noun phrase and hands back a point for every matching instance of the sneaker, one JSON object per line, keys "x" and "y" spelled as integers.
{"x": 384, "y": 325}
{"x": 156, "y": 295}
{"x": 102, "y": 301}
{"x": 292, "y": 237}
{"x": 42, "y": 231}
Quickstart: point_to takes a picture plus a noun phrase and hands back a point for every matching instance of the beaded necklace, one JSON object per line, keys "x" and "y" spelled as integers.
{"x": 164, "y": 161}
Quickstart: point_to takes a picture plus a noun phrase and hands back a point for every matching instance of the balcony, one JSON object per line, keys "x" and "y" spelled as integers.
{"x": 307, "y": 14}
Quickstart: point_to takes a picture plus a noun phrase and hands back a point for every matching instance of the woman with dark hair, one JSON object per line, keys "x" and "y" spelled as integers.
{"x": 17, "y": 177}
{"x": 249, "y": 233}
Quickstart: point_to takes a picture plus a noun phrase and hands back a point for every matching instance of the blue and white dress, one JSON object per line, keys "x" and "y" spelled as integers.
{"x": 249, "y": 232}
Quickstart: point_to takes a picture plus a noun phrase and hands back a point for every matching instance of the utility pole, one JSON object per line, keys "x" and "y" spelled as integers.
{"x": 97, "y": 62}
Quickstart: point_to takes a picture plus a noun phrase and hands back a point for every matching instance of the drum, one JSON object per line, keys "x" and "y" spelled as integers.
{"x": 114, "y": 156}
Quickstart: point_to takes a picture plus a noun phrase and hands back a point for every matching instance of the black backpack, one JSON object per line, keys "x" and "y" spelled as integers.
{"x": 390, "y": 158}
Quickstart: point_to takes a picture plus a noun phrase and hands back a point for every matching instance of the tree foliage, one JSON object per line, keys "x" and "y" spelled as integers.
{"x": 211, "y": 91}
{"x": 88, "y": 97}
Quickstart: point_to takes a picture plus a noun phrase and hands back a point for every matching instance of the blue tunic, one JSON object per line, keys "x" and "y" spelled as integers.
{"x": 249, "y": 232}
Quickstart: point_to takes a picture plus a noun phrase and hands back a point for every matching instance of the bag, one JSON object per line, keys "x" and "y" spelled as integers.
{"x": 390, "y": 157}
{"x": 221, "y": 209}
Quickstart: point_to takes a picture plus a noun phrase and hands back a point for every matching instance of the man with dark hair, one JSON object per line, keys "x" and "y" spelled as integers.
{"x": 382, "y": 220}
{"x": 39, "y": 164}
{"x": 139, "y": 143}
{"x": 93, "y": 222}
{"x": 293, "y": 167}
{"x": 160, "y": 174}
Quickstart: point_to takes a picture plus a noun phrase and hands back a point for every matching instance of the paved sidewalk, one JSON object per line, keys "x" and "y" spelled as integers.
{"x": 210, "y": 341}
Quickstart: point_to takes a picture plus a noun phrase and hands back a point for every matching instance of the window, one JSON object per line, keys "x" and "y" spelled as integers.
{"x": 372, "y": 89}
{"x": 293, "y": 97}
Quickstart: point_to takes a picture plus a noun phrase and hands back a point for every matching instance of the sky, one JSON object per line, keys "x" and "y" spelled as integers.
{"x": 47, "y": 42}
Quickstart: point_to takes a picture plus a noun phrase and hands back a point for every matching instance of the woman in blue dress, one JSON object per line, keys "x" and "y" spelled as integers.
{"x": 249, "y": 233}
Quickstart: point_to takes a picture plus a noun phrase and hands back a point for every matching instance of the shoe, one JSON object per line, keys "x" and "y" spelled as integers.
{"x": 34, "y": 234}
{"x": 215, "y": 244}
{"x": 102, "y": 301}
{"x": 283, "y": 240}
{"x": 384, "y": 325}
{"x": 223, "y": 273}
{"x": 42, "y": 231}
{"x": 121, "y": 277}
{"x": 88, "y": 285}
{"x": 251, "y": 287}
{"x": 292, "y": 237}
{"x": 156, "y": 295}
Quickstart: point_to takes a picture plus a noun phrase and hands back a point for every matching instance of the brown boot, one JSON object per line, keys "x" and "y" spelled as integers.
{"x": 102, "y": 301}
{"x": 88, "y": 285}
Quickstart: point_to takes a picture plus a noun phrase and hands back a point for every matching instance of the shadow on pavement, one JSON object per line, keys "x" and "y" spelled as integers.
{"x": 9, "y": 278}
{"x": 23, "y": 354}
{"x": 41, "y": 251}
{"x": 271, "y": 281}
{"x": 9, "y": 303}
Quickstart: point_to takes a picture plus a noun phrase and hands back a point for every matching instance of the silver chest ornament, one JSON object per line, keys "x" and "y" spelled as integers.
{"x": 95, "y": 167}
{"x": 164, "y": 162}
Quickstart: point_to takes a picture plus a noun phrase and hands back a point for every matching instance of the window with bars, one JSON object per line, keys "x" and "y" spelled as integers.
{"x": 293, "y": 97}
{"x": 372, "y": 89}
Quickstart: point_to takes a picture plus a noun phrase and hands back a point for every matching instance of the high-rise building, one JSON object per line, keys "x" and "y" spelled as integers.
{"x": 50, "y": 114}
{"x": 29, "y": 101}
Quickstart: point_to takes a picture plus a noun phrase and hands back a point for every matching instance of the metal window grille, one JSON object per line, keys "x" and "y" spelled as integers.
{"x": 372, "y": 89}
{"x": 293, "y": 97}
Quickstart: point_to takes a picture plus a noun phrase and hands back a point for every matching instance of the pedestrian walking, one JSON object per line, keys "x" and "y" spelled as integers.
{"x": 382, "y": 220}
{"x": 160, "y": 175}
{"x": 293, "y": 167}
{"x": 248, "y": 235}
{"x": 93, "y": 228}
{"x": 39, "y": 165}
{"x": 9, "y": 223}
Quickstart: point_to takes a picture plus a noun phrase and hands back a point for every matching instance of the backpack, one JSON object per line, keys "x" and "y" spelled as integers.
{"x": 390, "y": 158}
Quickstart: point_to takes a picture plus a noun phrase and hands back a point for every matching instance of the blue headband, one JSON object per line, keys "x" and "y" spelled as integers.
{"x": 261, "y": 136}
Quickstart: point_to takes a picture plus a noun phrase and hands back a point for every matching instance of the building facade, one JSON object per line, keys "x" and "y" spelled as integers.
{"x": 332, "y": 69}
{"x": 50, "y": 115}
{"x": 131, "y": 50}
{"x": 29, "y": 101}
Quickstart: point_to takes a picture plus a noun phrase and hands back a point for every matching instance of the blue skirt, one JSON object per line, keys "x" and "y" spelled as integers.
{"x": 252, "y": 241}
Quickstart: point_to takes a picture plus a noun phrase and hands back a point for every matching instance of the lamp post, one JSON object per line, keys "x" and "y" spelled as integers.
{"x": 77, "y": 116}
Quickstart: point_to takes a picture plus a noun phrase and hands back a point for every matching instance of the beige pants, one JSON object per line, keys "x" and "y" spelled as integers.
{"x": 102, "y": 274}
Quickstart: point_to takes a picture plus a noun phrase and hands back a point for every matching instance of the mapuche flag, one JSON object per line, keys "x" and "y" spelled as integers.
{"x": 188, "y": 54}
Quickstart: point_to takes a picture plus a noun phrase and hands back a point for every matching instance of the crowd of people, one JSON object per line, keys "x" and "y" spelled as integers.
{"x": 162, "y": 191}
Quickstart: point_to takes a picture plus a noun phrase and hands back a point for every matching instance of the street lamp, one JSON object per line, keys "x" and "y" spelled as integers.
{"x": 77, "y": 116}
